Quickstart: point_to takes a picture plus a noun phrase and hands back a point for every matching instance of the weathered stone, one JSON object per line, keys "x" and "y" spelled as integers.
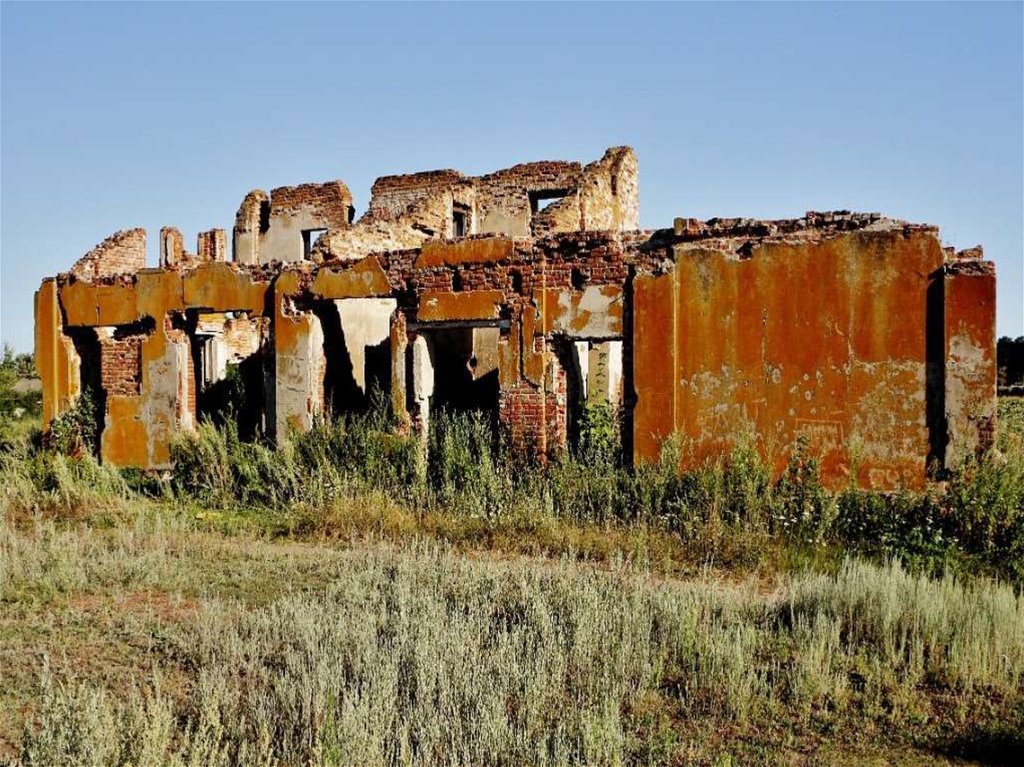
{"x": 856, "y": 334}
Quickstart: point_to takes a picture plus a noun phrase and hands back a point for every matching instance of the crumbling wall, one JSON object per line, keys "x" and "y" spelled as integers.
{"x": 508, "y": 199}
{"x": 969, "y": 285}
{"x": 278, "y": 227}
{"x": 610, "y": 194}
{"x": 854, "y": 335}
{"x": 172, "y": 248}
{"x": 146, "y": 370}
{"x": 123, "y": 252}
{"x": 212, "y": 245}
{"x": 251, "y": 222}
{"x": 405, "y": 212}
{"x": 606, "y": 199}
{"x": 393, "y": 196}
{"x": 788, "y": 330}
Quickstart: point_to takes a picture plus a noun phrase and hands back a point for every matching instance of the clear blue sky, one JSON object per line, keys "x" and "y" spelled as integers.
{"x": 149, "y": 114}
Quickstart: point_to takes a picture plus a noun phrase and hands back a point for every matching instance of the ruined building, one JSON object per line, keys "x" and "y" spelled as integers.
{"x": 528, "y": 293}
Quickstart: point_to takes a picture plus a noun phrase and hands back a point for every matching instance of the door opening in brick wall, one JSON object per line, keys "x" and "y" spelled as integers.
{"x": 593, "y": 390}
{"x": 455, "y": 370}
{"x": 357, "y": 353}
{"x": 87, "y": 346}
{"x": 229, "y": 353}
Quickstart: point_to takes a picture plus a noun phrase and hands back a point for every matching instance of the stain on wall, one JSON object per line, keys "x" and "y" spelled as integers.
{"x": 857, "y": 335}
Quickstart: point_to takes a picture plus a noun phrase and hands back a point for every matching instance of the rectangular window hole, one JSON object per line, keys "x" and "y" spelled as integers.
{"x": 309, "y": 237}
{"x": 460, "y": 220}
{"x": 540, "y": 201}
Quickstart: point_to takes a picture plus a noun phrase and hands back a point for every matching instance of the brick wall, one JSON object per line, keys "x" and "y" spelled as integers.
{"x": 328, "y": 202}
{"x": 123, "y": 252}
{"x": 714, "y": 344}
{"x": 392, "y": 196}
{"x": 121, "y": 364}
{"x": 212, "y": 245}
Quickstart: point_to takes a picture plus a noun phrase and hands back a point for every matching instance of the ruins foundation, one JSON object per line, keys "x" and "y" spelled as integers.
{"x": 530, "y": 293}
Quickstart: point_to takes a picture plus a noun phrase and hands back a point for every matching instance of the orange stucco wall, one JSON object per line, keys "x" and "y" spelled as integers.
{"x": 869, "y": 343}
{"x": 970, "y": 351}
{"x": 823, "y": 338}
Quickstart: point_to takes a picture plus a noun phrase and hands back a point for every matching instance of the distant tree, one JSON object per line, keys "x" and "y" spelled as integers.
{"x": 16, "y": 404}
{"x": 1010, "y": 361}
{"x": 25, "y": 365}
{"x": 8, "y": 377}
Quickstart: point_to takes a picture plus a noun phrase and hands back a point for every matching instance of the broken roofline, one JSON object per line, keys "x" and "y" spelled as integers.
{"x": 722, "y": 233}
{"x": 856, "y": 332}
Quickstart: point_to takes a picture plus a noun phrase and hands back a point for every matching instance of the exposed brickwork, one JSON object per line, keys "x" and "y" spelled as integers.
{"x": 728, "y": 328}
{"x": 172, "y": 247}
{"x": 121, "y": 364}
{"x": 405, "y": 211}
{"x": 276, "y": 227}
{"x": 393, "y": 196}
{"x": 123, "y": 252}
{"x": 328, "y": 202}
{"x": 212, "y": 245}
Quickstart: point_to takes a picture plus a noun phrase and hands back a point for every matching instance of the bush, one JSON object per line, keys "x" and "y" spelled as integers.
{"x": 216, "y": 467}
{"x": 76, "y": 431}
{"x": 805, "y": 509}
{"x": 735, "y": 503}
{"x": 464, "y": 467}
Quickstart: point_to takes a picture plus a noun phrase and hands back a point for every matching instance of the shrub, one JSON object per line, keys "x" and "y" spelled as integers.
{"x": 463, "y": 470}
{"x": 76, "y": 431}
{"x": 805, "y": 509}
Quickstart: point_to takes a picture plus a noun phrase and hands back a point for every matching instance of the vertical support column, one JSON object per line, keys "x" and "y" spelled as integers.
{"x": 399, "y": 344}
{"x": 172, "y": 247}
{"x": 299, "y": 361}
{"x": 422, "y": 385}
{"x": 654, "y": 363}
{"x": 300, "y": 375}
{"x": 970, "y": 346}
{"x": 212, "y": 245}
{"x": 56, "y": 359}
{"x": 522, "y": 401}
{"x": 249, "y": 227}
{"x": 555, "y": 399}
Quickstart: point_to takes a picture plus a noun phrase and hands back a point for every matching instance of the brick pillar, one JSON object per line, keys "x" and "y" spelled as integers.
{"x": 399, "y": 346}
{"x": 970, "y": 347}
{"x": 212, "y": 245}
{"x": 172, "y": 247}
{"x": 299, "y": 378}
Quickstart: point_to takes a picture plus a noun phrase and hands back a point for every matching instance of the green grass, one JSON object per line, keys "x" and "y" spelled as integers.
{"x": 158, "y": 644}
{"x": 340, "y": 602}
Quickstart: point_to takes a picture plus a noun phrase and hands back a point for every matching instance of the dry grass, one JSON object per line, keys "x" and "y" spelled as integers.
{"x": 149, "y": 642}
{"x": 293, "y": 610}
